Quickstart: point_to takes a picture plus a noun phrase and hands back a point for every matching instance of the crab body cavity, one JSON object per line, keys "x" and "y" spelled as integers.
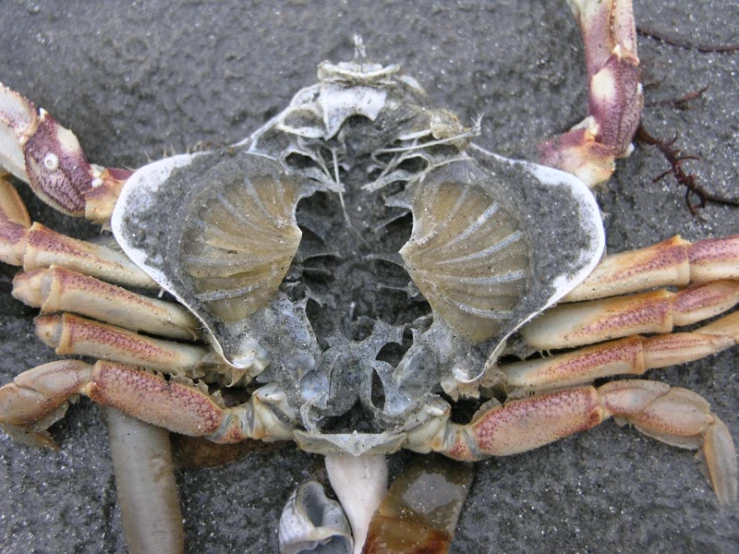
{"x": 277, "y": 243}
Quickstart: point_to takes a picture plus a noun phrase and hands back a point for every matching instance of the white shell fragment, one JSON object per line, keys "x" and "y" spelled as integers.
{"x": 311, "y": 522}
{"x": 360, "y": 482}
{"x": 139, "y": 194}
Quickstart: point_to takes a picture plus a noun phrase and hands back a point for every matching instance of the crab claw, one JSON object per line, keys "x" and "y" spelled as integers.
{"x": 38, "y": 150}
{"x": 615, "y": 97}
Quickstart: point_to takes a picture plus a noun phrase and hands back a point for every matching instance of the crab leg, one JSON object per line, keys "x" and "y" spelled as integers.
{"x": 14, "y": 224}
{"x": 676, "y": 416}
{"x": 671, "y": 262}
{"x": 39, "y": 151}
{"x": 632, "y": 355}
{"x": 38, "y": 397}
{"x": 615, "y": 98}
{"x": 658, "y": 311}
{"x": 69, "y": 334}
{"x": 59, "y": 290}
{"x": 34, "y": 246}
{"x": 45, "y": 248}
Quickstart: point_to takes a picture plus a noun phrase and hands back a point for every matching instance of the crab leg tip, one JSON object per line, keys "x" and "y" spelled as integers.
{"x": 681, "y": 418}
{"x": 721, "y": 460}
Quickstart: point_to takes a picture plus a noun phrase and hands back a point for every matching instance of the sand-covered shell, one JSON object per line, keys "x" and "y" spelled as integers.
{"x": 216, "y": 230}
{"x": 311, "y": 522}
{"x": 467, "y": 254}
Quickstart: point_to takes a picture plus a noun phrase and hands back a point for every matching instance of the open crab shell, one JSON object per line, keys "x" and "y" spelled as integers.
{"x": 494, "y": 242}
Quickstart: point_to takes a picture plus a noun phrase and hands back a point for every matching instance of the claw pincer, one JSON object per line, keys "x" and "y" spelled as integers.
{"x": 38, "y": 150}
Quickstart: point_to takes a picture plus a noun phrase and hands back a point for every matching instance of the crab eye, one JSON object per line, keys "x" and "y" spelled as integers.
{"x": 240, "y": 242}
{"x": 467, "y": 254}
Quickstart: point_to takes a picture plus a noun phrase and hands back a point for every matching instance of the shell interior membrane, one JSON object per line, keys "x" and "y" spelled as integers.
{"x": 359, "y": 249}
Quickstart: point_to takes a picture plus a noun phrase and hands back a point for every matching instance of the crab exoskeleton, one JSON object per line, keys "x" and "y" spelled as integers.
{"x": 267, "y": 246}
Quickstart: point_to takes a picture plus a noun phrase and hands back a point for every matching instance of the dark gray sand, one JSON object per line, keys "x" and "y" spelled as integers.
{"x": 136, "y": 80}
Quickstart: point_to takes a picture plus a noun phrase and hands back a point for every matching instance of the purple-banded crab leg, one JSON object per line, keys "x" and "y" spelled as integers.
{"x": 615, "y": 98}
{"x": 47, "y": 156}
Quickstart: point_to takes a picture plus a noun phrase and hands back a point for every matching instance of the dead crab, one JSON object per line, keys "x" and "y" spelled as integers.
{"x": 432, "y": 164}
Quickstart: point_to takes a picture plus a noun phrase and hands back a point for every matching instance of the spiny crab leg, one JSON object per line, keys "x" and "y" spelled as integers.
{"x": 615, "y": 98}
{"x": 672, "y": 415}
{"x": 47, "y": 156}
